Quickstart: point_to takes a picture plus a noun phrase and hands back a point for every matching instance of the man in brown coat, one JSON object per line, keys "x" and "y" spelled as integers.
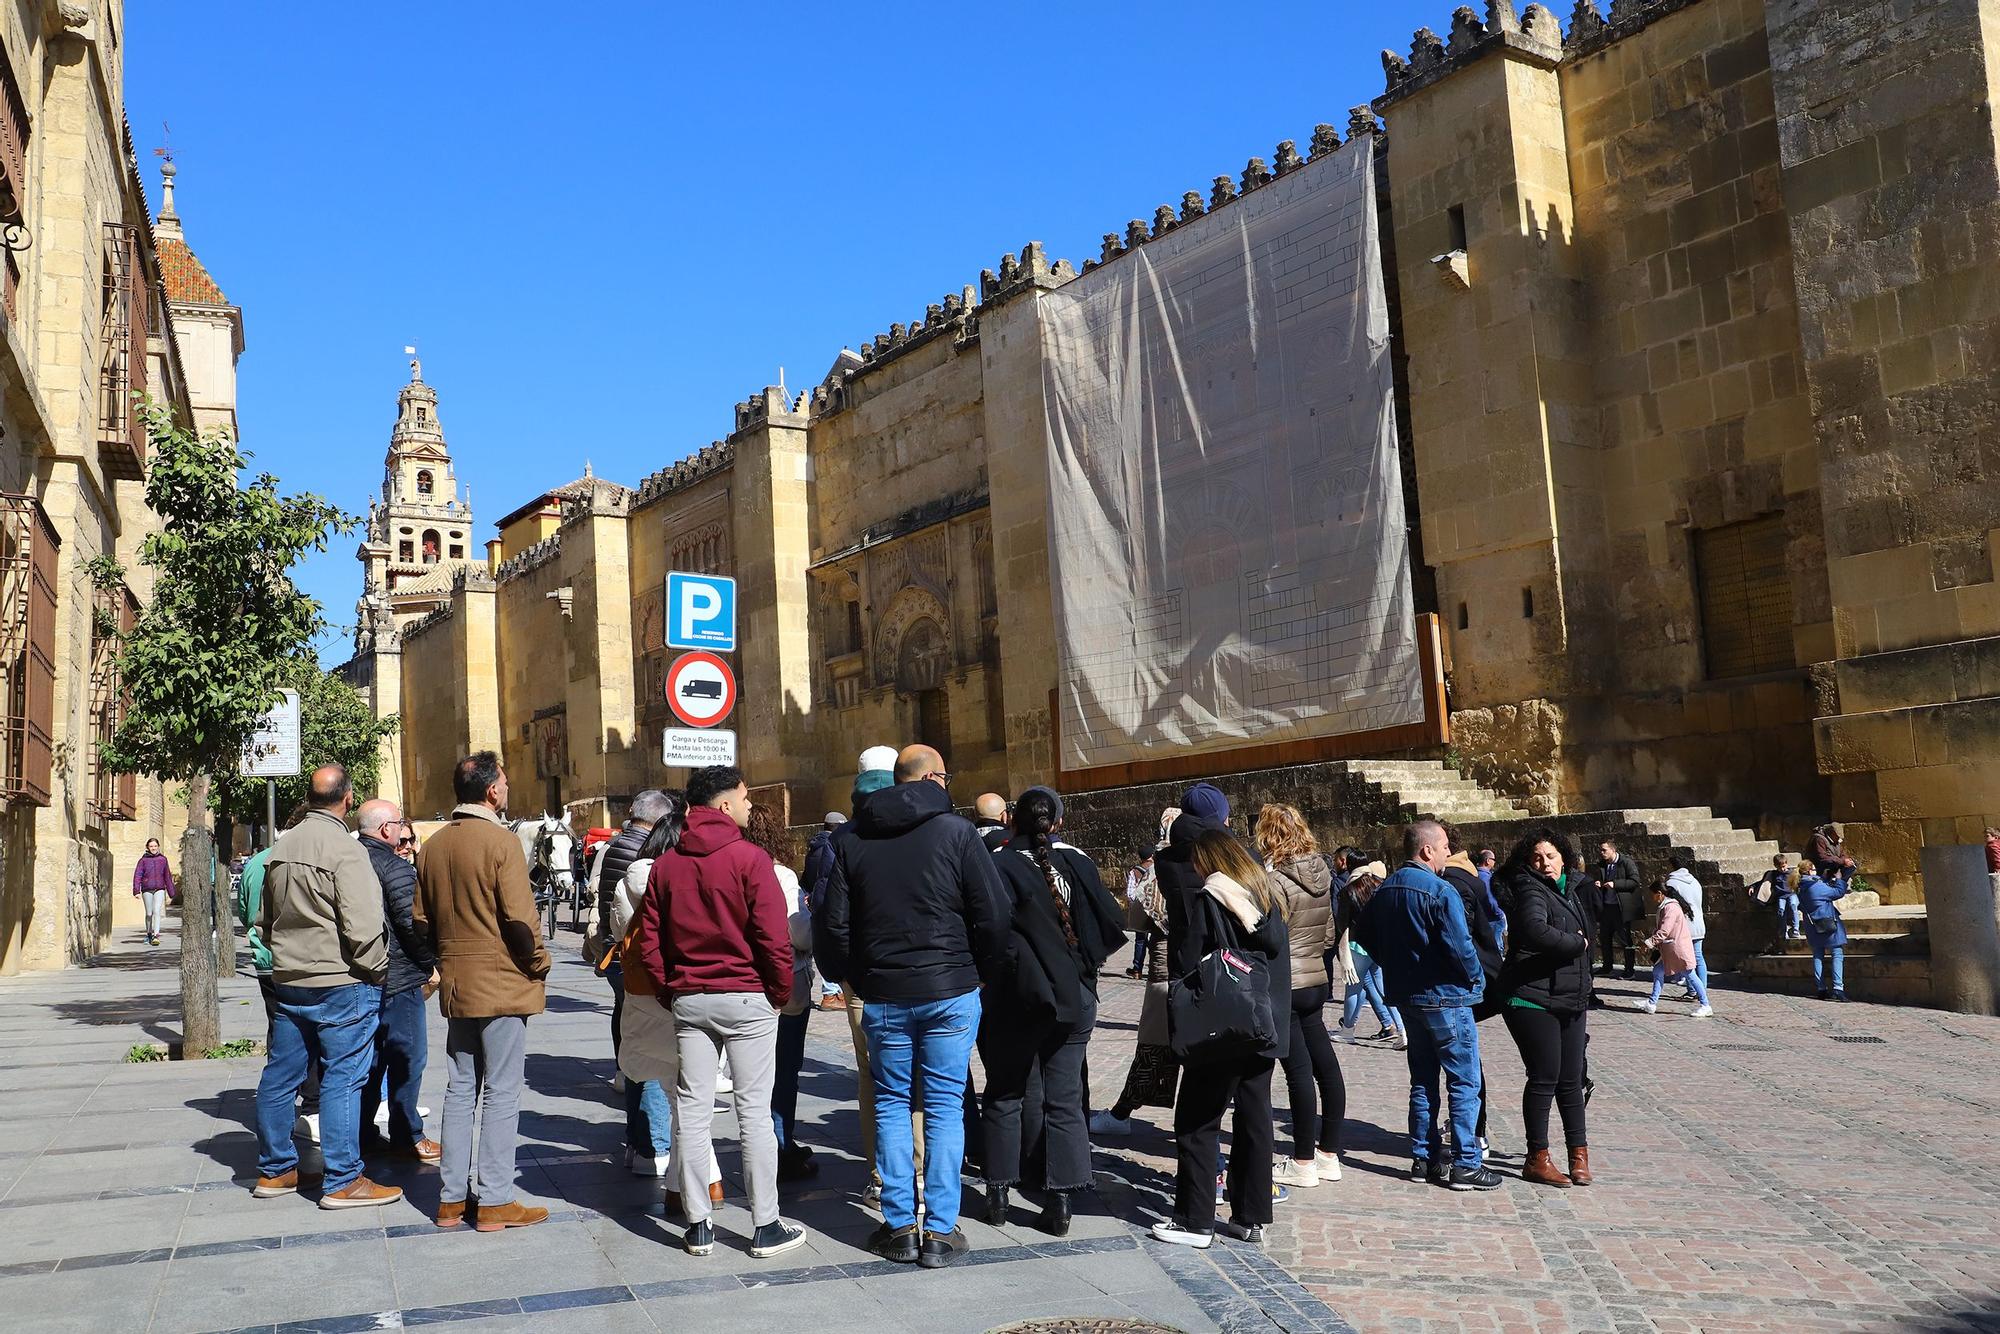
{"x": 475, "y": 904}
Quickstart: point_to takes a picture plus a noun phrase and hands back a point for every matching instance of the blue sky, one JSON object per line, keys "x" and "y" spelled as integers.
{"x": 604, "y": 225}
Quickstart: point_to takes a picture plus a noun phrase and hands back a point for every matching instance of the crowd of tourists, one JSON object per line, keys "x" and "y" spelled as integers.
{"x": 940, "y": 936}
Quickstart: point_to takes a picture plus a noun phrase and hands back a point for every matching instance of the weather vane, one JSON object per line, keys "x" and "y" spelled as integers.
{"x": 166, "y": 148}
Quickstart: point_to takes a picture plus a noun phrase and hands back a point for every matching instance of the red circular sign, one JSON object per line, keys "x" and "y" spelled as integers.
{"x": 701, "y": 690}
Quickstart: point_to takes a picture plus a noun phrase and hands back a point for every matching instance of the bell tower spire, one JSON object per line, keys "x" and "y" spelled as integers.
{"x": 419, "y": 530}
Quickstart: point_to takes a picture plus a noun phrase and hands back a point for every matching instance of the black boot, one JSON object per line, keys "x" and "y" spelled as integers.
{"x": 996, "y": 1205}
{"x": 1055, "y": 1214}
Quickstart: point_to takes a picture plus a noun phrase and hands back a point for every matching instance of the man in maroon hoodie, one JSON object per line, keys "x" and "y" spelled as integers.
{"x": 717, "y": 947}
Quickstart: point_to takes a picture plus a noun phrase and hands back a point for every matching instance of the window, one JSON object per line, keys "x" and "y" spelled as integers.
{"x": 424, "y": 483}
{"x": 1527, "y": 603}
{"x": 27, "y": 649}
{"x": 1455, "y": 219}
{"x": 423, "y": 413}
{"x": 13, "y": 175}
{"x": 1745, "y": 597}
{"x": 430, "y": 546}
{"x": 114, "y": 614}
{"x": 1464, "y": 617}
{"x": 853, "y": 626}
{"x": 406, "y": 551}
{"x": 121, "y": 350}
{"x": 457, "y": 552}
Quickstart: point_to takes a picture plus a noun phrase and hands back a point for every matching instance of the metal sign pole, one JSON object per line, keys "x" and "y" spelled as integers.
{"x": 270, "y": 811}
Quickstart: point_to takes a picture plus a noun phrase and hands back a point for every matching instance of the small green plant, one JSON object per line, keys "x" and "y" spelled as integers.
{"x": 142, "y": 1052}
{"x": 233, "y": 1048}
{"x": 105, "y": 573}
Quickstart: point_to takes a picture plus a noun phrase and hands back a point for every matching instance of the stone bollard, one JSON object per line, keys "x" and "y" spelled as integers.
{"x": 1960, "y": 900}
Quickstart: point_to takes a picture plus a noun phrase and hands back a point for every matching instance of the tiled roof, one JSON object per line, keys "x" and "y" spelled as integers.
{"x": 435, "y": 580}
{"x": 186, "y": 280}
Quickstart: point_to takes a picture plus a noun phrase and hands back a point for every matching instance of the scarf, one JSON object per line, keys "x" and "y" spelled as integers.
{"x": 1234, "y": 898}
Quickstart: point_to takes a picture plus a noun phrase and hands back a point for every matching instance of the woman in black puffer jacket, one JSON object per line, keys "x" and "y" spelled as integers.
{"x": 1545, "y": 985}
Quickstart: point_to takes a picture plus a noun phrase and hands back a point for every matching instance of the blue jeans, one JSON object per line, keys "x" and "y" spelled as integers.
{"x": 1139, "y": 942}
{"x": 333, "y": 1028}
{"x": 1694, "y": 981}
{"x": 1819, "y": 968}
{"x": 1370, "y": 985}
{"x": 934, "y": 1039}
{"x": 1701, "y": 966}
{"x": 1788, "y": 913}
{"x": 649, "y": 1118}
{"x": 1444, "y": 1040}
{"x": 785, "y": 1089}
{"x": 402, "y": 1048}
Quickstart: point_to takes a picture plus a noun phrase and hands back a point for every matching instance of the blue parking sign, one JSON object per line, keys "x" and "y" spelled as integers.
{"x": 701, "y": 612}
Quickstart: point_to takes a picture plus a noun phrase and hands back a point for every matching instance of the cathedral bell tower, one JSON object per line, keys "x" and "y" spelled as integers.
{"x": 419, "y": 530}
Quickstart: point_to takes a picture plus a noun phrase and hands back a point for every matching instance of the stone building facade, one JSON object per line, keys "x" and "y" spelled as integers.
{"x": 97, "y": 303}
{"x": 1698, "y": 313}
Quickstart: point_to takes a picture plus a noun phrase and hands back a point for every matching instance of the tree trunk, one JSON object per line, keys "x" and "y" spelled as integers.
{"x": 201, "y": 1003}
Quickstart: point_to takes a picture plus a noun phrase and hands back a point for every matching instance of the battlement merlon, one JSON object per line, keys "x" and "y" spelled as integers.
{"x": 1532, "y": 35}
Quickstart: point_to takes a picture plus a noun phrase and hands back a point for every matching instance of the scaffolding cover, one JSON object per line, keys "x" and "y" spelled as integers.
{"x": 1228, "y": 546}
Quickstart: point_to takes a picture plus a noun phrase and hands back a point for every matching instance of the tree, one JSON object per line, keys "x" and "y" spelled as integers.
{"x": 336, "y": 726}
{"x": 210, "y": 653}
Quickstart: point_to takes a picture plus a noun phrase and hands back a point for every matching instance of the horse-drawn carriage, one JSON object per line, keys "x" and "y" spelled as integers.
{"x": 555, "y": 870}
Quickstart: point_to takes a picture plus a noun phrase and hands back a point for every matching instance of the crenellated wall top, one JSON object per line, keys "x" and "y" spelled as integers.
{"x": 710, "y": 458}
{"x": 1531, "y": 34}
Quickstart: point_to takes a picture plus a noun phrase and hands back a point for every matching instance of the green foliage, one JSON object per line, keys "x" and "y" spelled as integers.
{"x": 105, "y": 572}
{"x": 335, "y": 727}
{"x": 233, "y": 1048}
{"x": 226, "y": 620}
{"x": 141, "y": 1052}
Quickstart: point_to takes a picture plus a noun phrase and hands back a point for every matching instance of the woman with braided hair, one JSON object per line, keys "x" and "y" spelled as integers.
{"x": 1038, "y": 1015}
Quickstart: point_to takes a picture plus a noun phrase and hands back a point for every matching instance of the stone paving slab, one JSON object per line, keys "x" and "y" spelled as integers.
{"x": 1753, "y": 1173}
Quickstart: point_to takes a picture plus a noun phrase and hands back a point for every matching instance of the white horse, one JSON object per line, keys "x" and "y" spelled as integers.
{"x": 549, "y": 846}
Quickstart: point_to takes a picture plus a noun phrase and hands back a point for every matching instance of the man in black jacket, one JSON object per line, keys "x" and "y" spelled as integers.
{"x": 401, "y": 1046}
{"x": 915, "y": 918}
{"x": 1617, "y": 903}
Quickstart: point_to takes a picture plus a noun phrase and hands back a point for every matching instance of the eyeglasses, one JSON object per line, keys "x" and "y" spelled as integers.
{"x": 942, "y": 779}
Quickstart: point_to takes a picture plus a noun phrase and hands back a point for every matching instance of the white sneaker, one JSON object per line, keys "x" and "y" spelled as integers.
{"x": 1327, "y": 1165}
{"x": 1104, "y": 1123}
{"x": 1175, "y": 1235}
{"x": 1291, "y": 1172}
{"x": 382, "y": 1117}
{"x": 1703, "y": 1011}
{"x": 1345, "y": 1033}
{"x": 308, "y": 1126}
{"x": 645, "y": 1165}
{"x": 1643, "y": 1006}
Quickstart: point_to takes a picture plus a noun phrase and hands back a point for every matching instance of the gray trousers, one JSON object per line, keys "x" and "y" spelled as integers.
{"x": 744, "y": 1024}
{"x": 486, "y": 1057}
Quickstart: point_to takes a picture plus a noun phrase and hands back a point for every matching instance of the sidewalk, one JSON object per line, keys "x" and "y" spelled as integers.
{"x": 1788, "y": 1165}
{"x": 125, "y": 1203}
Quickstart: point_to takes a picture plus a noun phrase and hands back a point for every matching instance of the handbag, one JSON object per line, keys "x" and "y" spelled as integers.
{"x": 1222, "y": 1006}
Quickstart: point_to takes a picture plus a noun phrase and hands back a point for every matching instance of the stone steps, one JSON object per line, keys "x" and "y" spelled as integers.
{"x": 1891, "y": 979}
{"x": 1430, "y": 788}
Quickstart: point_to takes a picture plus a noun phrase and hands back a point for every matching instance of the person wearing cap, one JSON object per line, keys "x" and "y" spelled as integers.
{"x": 915, "y": 921}
{"x": 1038, "y": 1018}
{"x": 819, "y": 860}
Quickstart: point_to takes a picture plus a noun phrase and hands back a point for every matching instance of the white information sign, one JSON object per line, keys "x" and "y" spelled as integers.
{"x": 273, "y": 749}
{"x": 697, "y": 748}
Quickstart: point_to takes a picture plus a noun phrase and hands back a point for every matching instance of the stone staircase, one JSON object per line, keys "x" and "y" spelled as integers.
{"x": 1888, "y": 958}
{"x": 1430, "y": 787}
{"x": 1719, "y": 848}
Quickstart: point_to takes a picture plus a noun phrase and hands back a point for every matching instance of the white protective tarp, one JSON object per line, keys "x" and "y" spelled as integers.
{"x": 1227, "y": 541}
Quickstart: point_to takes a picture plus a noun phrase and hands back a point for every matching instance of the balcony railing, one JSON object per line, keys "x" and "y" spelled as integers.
{"x": 27, "y": 650}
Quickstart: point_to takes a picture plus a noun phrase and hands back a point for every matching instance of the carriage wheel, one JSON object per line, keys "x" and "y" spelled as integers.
{"x": 549, "y": 914}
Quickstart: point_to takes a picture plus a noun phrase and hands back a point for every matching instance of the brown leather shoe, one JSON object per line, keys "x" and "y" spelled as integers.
{"x": 268, "y": 1188}
{"x": 494, "y": 1217}
{"x": 832, "y": 1002}
{"x": 361, "y": 1193}
{"x": 1542, "y": 1170}
{"x": 453, "y": 1213}
{"x": 715, "y": 1192}
{"x": 1579, "y": 1165}
{"x": 424, "y": 1150}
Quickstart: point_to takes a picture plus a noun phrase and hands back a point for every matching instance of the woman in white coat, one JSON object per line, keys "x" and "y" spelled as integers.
{"x": 649, "y": 1052}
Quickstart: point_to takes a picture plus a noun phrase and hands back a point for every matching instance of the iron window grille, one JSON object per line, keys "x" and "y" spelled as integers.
{"x": 27, "y": 649}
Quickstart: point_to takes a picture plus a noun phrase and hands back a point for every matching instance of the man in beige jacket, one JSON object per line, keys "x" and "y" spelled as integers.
{"x": 475, "y": 904}
{"x": 321, "y": 918}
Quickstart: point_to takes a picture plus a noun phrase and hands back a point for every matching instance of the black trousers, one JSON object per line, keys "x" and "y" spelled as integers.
{"x": 1313, "y": 1084}
{"x": 1552, "y": 1047}
{"x": 1014, "y": 1052}
{"x": 1207, "y": 1090}
{"x": 1614, "y": 930}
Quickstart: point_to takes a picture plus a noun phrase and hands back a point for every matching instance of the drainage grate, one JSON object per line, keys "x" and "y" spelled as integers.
{"x": 1849, "y": 1037}
{"x": 1738, "y": 1046}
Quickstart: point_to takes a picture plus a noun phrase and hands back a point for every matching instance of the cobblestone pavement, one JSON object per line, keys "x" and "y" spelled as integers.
{"x": 1754, "y": 1172}
{"x": 1787, "y": 1165}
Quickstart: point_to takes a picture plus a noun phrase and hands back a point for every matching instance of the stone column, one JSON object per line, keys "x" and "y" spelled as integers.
{"x": 770, "y": 535}
{"x": 1964, "y": 912}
